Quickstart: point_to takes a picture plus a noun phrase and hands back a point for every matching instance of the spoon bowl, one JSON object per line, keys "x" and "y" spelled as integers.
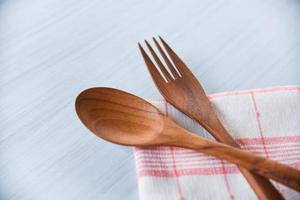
{"x": 119, "y": 117}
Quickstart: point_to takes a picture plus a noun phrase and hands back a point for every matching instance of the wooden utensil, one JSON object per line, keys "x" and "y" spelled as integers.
{"x": 181, "y": 89}
{"x": 123, "y": 118}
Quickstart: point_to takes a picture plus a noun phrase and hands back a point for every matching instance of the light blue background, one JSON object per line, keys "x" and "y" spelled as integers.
{"x": 50, "y": 50}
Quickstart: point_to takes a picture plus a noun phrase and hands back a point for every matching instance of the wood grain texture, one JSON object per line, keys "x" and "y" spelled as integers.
{"x": 51, "y": 50}
{"x": 123, "y": 118}
{"x": 180, "y": 87}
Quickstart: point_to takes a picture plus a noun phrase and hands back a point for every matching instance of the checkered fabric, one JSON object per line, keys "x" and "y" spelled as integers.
{"x": 265, "y": 122}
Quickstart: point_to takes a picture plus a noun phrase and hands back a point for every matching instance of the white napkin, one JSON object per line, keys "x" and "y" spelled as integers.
{"x": 263, "y": 121}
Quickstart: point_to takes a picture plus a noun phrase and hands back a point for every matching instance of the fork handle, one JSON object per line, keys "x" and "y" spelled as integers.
{"x": 262, "y": 186}
{"x": 284, "y": 174}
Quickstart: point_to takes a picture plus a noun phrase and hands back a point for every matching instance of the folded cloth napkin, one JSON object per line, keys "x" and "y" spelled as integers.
{"x": 265, "y": 122}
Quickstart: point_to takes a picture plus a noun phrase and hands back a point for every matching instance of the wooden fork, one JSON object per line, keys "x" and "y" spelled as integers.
{"x": 181, "y": 89}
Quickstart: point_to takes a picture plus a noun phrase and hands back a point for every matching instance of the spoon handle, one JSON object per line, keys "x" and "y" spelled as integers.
{"x": 284, "y": 174}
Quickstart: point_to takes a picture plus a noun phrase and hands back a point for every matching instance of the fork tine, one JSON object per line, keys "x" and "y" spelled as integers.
{"x": 166, "y": 59}
{"x": 182, "y": 68}
{"x": 158, "y": 62}
{"x": 158, "y": 79}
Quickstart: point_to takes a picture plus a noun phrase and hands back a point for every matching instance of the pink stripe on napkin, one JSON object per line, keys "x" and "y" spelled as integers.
{"x": 263, "y": 121}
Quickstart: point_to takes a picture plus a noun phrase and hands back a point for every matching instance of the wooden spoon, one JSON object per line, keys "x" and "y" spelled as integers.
{"x": 123, "y": 118}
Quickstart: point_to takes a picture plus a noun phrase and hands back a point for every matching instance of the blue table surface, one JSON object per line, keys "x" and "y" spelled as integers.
{"x": 50, "y": 50}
